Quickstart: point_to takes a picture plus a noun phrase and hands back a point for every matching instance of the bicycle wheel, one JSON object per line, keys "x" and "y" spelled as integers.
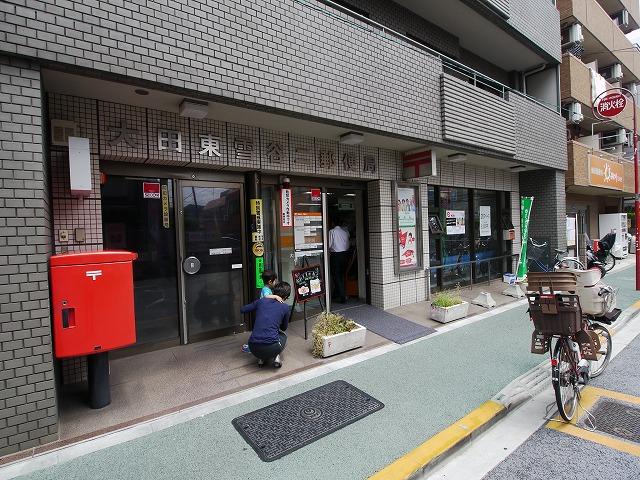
{"x": 609, "y": 262}
{"x": 569, "y": 262}
{"x": 564, "y": 379}
{"x": 606, "y": 345}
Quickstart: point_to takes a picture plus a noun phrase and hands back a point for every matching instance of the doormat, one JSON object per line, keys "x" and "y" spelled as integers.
{"x": 615, "y": 418}
{"x": 387, "y": 325}
{"x": 290, "y": 424}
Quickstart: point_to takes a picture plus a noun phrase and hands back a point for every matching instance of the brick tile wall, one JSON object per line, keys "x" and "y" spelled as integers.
{"x": 276, "y": 54}
{"x": 548, "y": 213}
{"x": 28, "y": 413}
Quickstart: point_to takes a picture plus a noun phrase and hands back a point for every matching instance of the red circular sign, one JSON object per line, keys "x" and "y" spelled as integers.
{"x": 611, "y": 105}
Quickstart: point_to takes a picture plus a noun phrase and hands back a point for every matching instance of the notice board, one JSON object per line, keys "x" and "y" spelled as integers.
{"x": 307, "y": 283}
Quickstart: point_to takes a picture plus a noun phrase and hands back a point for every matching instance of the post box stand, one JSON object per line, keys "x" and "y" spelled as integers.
{"x": 99, "y": 382}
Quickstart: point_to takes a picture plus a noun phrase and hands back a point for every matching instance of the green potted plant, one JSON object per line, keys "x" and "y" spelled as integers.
{"x": 334, "y": 333}
{"x": 448, "y": 305}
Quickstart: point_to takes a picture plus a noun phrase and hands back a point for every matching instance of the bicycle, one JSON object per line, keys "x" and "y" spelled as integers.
{"x": 536, "y": 252}
{"x": 583, "y": 345}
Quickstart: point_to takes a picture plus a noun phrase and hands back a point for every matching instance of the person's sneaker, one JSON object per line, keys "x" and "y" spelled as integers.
{"x": 277, "y": 362}
{"x": 245, "y": 348}
{"x": 260, "y": 362}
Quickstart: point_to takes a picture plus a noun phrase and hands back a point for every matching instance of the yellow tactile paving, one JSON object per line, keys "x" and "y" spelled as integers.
{"x": 589, "y": 397}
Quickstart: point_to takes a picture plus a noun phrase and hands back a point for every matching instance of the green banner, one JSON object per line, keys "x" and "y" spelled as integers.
{"x": 525, "y": 213}
{"x": 259, "y": 270}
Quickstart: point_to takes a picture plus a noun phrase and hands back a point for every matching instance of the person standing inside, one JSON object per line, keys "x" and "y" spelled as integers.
{"x": 339, "y": 258}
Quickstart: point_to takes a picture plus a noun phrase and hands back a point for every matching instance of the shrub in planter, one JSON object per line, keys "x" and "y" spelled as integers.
{"x": 333, "y": 333}
{"x": 448, "y": 305}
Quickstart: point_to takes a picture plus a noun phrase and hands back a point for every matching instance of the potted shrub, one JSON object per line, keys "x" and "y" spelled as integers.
{"x": 448, "y": 306}
{"x": 333, "y": 334}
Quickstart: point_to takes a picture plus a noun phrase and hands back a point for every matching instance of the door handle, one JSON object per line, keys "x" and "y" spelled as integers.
{"x": 191, "y": 265}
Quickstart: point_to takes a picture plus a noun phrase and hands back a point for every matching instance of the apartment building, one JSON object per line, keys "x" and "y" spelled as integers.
{"x": 597, "y": 56}
{"x": 416, "y": 124}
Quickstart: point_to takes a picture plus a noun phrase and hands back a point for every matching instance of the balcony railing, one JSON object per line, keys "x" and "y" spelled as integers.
{"x": 450, "y": 66}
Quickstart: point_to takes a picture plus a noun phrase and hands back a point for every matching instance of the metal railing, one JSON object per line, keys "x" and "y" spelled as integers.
{"x": 474, "y": 77}
{"x": 474, "y": 266}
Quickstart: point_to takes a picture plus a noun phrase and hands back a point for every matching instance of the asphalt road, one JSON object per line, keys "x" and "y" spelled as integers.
{"x": 554, "y": 454}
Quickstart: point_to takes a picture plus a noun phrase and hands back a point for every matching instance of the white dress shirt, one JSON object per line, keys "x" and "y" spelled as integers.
{"x": 338, "y": 239}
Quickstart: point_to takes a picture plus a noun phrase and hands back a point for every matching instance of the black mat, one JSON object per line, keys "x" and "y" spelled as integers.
{"x": 387, "y": 325}
{"x": 283, "y": 427}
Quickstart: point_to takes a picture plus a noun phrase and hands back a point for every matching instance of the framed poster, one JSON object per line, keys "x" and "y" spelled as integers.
{"x": 485, "y": 221}
{"x": 455, "y": 222}
{"x": 408, "y": 227}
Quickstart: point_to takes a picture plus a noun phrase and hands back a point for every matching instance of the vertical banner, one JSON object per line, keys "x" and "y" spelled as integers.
{"x": 525, "y": 213}
{"x": 285, "y": 208}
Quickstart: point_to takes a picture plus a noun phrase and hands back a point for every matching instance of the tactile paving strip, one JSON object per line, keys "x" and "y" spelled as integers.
{"x": 615, "y": 418}
{"x": 290, "y": 424}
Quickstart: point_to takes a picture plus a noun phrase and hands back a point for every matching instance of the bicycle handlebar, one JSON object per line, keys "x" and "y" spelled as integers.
{"x": 542, "y": 245}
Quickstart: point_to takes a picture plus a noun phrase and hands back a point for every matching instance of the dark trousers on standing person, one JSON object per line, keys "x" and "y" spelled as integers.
{"x": 338, "y": 267}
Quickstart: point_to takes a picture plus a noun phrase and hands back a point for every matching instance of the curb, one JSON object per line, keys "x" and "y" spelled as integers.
{"x": 421, "y": 460}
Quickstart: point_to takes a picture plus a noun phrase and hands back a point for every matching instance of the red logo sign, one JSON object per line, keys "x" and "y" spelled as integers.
{"x": 611, "y": 105}
{"x": 150, "y": 190}
{"x": 316, "y": 195}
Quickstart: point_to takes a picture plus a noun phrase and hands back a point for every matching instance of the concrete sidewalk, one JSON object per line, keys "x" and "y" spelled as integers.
{"x": 425, "y": 385}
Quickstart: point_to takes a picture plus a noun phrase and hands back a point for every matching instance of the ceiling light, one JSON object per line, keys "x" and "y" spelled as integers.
{"x": 193, "y": 108}
{"x": 457, "y": 157}
{"x": 351, "y": 138}
{"x": 141, "y": 91}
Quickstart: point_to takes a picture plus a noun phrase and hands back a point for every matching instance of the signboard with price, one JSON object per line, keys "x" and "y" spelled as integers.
{"x": 307, "y": 283}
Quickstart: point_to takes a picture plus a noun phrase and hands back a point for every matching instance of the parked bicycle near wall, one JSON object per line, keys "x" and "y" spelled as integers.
{"x": 565, "y": 306}
{"x": 537, "y": 255}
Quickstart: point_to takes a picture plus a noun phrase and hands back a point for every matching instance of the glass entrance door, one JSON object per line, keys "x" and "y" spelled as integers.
{"x": 212, "y": 256}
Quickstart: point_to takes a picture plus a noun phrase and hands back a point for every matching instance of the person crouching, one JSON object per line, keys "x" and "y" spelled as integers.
{"x": 268, "y": 337}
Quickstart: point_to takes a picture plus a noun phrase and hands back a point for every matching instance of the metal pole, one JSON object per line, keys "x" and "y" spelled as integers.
{"x": 325, "y": 251}
{"x": 635, "y": 169}
{"x": 637, "y": 197}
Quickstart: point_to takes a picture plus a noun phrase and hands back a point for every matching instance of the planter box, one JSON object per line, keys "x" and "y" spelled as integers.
{"x": 448, "y": 314}
{"x": 341, "y": 342}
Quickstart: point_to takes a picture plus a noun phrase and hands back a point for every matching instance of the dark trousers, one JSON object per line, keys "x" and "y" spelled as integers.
{"x": 338, "y": 264}
{"x": 268, "y": 351}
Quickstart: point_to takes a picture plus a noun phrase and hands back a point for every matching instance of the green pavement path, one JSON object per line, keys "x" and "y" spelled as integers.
{"x": 425, "y": 387}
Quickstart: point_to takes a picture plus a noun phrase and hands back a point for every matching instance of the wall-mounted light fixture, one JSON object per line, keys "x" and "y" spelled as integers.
{"x": 351, "y": 138}
{"x": 457, "y": 157}
{"x": 194, "y": 108}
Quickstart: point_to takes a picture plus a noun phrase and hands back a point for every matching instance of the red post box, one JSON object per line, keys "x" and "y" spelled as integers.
{"x": 92, "y": 298}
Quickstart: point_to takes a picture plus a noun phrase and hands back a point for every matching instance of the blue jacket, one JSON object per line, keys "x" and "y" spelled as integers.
{"x": 271, "y": 317}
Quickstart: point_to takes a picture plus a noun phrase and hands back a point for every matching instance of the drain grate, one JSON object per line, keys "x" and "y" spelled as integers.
{"x": 616, "y": 418}
{"x": 290, "y": 424}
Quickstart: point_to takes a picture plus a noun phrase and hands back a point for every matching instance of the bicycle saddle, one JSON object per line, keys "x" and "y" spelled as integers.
{"x": 559, "y": 251}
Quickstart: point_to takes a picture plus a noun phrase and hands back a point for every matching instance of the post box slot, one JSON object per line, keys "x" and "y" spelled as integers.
{"x": 68, "y": 317}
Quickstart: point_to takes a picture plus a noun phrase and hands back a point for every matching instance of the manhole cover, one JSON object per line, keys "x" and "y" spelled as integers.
{"x": 619, "y": 419}
{"x": 283, "y": 427}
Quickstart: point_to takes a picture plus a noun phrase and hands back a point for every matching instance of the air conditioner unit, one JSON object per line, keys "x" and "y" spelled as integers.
{"x": 621, "y": 18}
{"x": 572, "y": 34}
{"x": 612, "y": 138}
{"x": 612, "y": 73}
{"x": 574, "y": 111}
